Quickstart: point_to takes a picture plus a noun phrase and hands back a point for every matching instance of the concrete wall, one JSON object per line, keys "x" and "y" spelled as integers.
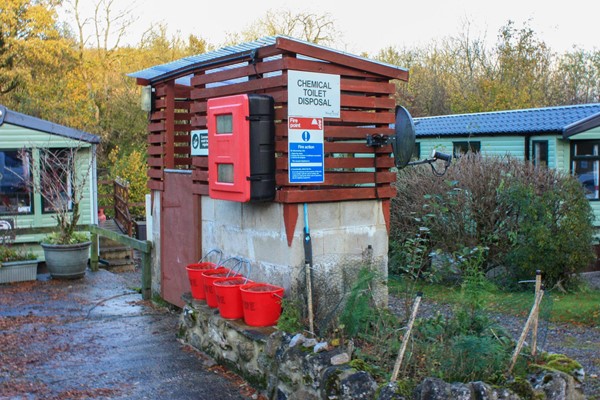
{"x": 154, "y": 236}
{"x": 346, "y": 236}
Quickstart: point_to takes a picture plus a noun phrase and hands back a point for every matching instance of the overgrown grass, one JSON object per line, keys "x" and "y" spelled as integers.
{"x": 579, "y": 308}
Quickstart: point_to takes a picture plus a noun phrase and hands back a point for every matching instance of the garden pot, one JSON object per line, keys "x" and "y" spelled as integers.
{"x": 262, "y": 303}
{"x": 229, "y": 297}
{"x": 67, "y": 261}
{"x": 18, "y": 271}
{"x": 195, "y": 271}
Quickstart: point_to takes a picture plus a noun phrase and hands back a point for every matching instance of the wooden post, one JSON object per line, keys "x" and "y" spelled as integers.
{"x": 146, "y": 275}
{"x": 94, "y": 252}
{"x": 411, "y": 321}
{"x": 536, "y": 304}
{"x": 538, "y": 287}
{"x": 309, "y": 294}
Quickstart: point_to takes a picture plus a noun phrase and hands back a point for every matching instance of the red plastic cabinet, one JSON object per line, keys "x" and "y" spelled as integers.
{"x": 241, "y": 143}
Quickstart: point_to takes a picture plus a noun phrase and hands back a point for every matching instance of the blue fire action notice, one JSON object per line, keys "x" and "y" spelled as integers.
{"x": 306, "y": 150}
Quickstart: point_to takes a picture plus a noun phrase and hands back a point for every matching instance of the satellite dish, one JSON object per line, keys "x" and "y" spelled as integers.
{"x": 403, "y": 142}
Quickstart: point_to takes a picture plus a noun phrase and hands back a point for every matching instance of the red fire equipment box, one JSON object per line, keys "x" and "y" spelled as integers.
{"x": 241, "y": 148}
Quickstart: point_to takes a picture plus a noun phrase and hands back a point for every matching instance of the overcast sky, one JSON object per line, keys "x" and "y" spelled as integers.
{"x": 377, "y": 24}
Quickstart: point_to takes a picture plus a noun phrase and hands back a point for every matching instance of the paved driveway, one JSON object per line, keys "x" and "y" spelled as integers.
{"x": 96, "y": 338}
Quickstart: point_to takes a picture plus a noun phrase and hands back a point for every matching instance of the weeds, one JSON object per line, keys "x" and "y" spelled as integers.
{"x": 464, "y": 347}
{"x": 290, "y": 319}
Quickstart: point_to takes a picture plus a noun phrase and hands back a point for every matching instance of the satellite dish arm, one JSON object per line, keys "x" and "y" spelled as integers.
{"x": 403, "y": 142}
{"x": 435, "y": 155}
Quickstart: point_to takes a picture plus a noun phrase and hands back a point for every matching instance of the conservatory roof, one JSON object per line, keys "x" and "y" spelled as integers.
{"x": 42, "y": 125}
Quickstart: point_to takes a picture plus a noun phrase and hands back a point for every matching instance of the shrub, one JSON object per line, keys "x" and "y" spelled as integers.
{"x": 528, "y": 218}
{"x": 131, "y": 167}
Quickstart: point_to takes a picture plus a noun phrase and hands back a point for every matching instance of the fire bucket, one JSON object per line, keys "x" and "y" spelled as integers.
{"x": 229, "y": 297}
{"x": 262, "y": 303}
{"x": 195, "y": 271}
{"x": 196, "y": 280}
{"x": 209, "y": 278}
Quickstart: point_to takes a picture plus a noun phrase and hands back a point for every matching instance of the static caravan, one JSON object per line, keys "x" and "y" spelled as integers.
{"x": 565, "y": 137}
{"x": 23, "y": 135}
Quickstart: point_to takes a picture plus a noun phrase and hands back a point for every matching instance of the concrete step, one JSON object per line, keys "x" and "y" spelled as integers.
{"x": 118, "y": 265}
{"x": 116, "y": 254}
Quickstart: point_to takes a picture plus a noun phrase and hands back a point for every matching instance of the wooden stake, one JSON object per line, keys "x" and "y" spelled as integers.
{"x": 411, "y": 321}
{"x": 311, "y": 324}
{"x": 536, "y": 304}
{"x": 538, "y": 287}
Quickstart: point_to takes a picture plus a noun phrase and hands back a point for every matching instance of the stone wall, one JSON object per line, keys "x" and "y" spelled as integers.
{"x": 264, "y": 357}
{"x": 285, "y": 368}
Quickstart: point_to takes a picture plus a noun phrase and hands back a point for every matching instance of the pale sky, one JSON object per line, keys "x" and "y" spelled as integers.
{"x": 373, "y": 25}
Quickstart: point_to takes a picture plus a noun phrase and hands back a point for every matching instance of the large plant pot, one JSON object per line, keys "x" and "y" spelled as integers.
{"x": 67, "y": 261}
{"x": 18, "y": 271}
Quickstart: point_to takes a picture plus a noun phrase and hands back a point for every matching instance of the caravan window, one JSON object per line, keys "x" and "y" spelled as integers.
{"x": 540, "y": 153}
{"x": 57, "y": 178}
{"x": 585, "y": 163}
{"x": 15, "y": 198}
{"x": 460, "y": 148}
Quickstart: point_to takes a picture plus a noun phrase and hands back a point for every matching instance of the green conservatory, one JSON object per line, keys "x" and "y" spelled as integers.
{"x": 23, "y": 139}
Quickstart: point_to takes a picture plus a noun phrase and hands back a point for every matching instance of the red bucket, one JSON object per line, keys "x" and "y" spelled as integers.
{"x": 229, "y": 297}
{"x": 196, "y": 280}
{"x": 262, "y": 303}
{"x": 209, "y": 278}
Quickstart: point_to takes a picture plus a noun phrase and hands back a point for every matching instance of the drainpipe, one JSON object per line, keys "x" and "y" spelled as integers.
{"x": 94, "y": 187}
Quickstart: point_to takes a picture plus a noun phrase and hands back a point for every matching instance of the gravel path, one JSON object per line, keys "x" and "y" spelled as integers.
{"x": 579, "y": 343}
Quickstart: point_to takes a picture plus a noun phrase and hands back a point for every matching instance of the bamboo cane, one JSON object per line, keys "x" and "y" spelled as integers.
{"x": 534, "y": 308}
{"x": 309, "y": 294}
{"x": 538, "y": 286}
{"x": 411, "y": 321}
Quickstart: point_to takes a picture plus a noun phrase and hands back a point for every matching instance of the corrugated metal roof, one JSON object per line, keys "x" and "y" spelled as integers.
{"x": 157, "y": 71}
{"x": 551, "y": 120}
{"x": 42, "y": 125}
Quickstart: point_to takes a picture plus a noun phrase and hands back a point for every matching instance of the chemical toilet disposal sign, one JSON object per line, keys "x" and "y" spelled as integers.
{"x": 305, "y": 150}
{"x": 311, "y": 98}
{"x": 313, "y": 94}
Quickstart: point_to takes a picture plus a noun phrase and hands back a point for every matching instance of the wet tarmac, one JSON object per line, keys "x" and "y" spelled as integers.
{"x": 95, "y": 338}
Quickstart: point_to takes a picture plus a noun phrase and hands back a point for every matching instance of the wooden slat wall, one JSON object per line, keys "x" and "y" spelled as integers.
{"x": 168, "y": 133}
{"x": 353, "y": 171}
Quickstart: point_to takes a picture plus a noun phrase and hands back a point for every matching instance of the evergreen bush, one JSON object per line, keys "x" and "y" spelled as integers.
{"x": 527, "y": 217}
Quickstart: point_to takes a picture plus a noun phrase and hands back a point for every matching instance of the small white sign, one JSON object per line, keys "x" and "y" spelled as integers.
{"x": 199, "y": 142}
{"x": 313, "y": 94}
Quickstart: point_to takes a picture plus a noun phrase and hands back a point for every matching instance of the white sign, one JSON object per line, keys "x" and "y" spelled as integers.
{"x": 313, "y": 94}
{"x": 199, "y": 142}
{"x": 306, "y": 155}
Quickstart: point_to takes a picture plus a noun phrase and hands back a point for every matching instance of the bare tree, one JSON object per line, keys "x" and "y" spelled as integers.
{"x": 312, "y": 27}
{"x": 108, "y": 24}
{"x": 60, "y": 177}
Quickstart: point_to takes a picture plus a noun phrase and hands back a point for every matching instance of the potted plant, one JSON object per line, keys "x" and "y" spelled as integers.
{"x": 16, "y": 264}
{"x": 61, "y": 178}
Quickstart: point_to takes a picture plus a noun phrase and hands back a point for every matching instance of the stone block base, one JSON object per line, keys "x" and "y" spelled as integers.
{"x": 264, "y": 357}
